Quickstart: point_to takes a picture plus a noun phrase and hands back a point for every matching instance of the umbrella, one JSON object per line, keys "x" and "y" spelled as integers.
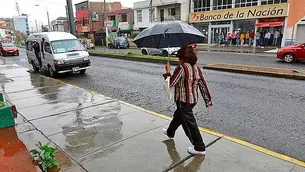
{"x": 171, "y": 34}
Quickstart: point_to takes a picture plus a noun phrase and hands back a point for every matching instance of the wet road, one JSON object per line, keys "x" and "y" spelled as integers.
{"x": 262, "y": 110}
{"x": 205, "y": 57}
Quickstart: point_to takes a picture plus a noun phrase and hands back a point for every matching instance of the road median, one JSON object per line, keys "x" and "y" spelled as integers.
{"x": 257, "y": 70}
{"x": 135, "y": 57}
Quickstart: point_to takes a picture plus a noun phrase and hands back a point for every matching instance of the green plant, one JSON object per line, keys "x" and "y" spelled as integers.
{"x": 2, "y": 104}
{"x": 45, "y": 156}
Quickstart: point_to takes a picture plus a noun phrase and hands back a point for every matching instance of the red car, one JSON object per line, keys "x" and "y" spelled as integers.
{"x": 8, "y": 49}
{"x": 292, "y": 53}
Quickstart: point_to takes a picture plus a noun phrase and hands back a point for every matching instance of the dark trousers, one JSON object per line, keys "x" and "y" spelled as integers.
{"x": 266, "y": 42}
{"x": 39, "y": 59}
{"x": 184, "y": 116}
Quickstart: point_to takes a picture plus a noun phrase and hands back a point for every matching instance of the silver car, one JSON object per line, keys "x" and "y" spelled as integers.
{"x": 162, "y": 51}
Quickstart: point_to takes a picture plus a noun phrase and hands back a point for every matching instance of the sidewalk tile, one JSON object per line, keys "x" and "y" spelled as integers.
{"x": 298, "y": 169}
{"x": 20, "y": 119}
{"x": 30, "y": 87}
{"x": 44, "y": 110}
{"x": 24, "y": 127}
{"x": 103, "y": 132}
{"x": 146, "y": 152}
{"x": 57, "y": 90}
{"x": 226, "y": 156}
{"x": 79, "y": 119}
{"x": 43, "y": 99}
{"x": 30, "y": 138}
{"x": 22, "y": 72}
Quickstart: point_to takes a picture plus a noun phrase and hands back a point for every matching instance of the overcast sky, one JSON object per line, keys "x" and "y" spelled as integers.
{"x": 56, "y": 8}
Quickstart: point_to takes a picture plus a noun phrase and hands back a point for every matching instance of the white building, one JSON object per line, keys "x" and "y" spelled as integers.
{"x": 58, "y": 24}
{"x": 145, "y": 14}
{"x": 21, "y": 24}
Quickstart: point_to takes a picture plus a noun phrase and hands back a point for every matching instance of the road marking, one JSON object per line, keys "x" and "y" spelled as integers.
{"x": 206, "y": 130}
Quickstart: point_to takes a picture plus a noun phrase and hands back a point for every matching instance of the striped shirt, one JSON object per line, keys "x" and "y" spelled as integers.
{"x": 186, "y": 79}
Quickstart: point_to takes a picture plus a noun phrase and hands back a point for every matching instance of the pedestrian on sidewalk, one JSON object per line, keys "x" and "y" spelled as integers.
{"x": 266, "y": 38}
{"x": 234, "y": 38}
{"x": 242, "y": 38}
{"x": 247, "y": 38}
{"x": 228, "y": 39}
{"x": 276, "y": 36}
{"x": 186, "y": 79}
{"x": 251, "y": 38}
{"x": 258, "y": 38}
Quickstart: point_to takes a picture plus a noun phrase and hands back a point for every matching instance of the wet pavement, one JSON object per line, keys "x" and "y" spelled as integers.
{"x": 98, "y": 133}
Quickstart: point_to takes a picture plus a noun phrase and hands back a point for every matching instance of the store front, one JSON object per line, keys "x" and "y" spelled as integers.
{"x": 217, "y": 24}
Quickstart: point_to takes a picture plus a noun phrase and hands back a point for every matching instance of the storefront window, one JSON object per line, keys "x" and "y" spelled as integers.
{"x": 266, "y": 2}
{"x": 245, "y": 3}
{"x": 244, "y": 25}
{"x": 222, "y": 4}
{"x": 204, "y": 29}
{"x": 201, "y": 5}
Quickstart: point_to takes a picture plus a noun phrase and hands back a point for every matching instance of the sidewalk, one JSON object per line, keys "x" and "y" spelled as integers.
{"x": 99, "y": 133}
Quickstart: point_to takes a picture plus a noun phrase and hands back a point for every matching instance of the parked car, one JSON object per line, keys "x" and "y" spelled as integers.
{"x": 119, "y": 42}
{"x": 59, "y": 52}
{"x": 8, "y": 49}
{"x": 292, "y": 53}
{"x": 162, "y": 51}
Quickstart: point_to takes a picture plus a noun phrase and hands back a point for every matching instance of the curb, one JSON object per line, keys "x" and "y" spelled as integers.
{"x": 139, "y": 59}
{"x": 255, "y": 72}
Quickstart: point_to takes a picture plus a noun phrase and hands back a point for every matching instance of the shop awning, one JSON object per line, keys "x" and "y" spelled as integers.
{"x": 269, "y": 24}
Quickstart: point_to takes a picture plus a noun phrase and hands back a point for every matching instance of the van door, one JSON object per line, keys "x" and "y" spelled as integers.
{"x": 47, "y": 56}
{"x": 30, "y": 53}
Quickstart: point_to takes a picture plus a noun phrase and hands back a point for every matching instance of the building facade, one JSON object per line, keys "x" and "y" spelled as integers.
{"x": 146, "y": 14}
{"x": 58, "y": 25}
{"x": 21, "y": 24}
{"x": 215, "y": 18}
{"x": 90, "y": 16}
{"x": 119, "y": 22}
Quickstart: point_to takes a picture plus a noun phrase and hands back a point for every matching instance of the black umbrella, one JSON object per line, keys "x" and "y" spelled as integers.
{"x": 171, "y": 34}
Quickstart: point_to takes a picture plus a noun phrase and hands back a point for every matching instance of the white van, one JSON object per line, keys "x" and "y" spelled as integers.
{"x": 60, "y": 52}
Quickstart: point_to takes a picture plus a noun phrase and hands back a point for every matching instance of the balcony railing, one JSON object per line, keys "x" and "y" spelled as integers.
{"x": 168, "y": 18}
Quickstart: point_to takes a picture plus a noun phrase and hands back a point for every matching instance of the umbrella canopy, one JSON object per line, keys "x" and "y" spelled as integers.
{"x": 171, "y": 34}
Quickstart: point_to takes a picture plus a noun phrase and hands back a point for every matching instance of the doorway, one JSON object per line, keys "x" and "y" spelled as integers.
{"x": 162, "y": 15}
{"x": 216, "y": 32}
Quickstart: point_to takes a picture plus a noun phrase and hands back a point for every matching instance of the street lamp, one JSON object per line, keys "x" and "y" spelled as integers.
{"x": 37, "y": 5}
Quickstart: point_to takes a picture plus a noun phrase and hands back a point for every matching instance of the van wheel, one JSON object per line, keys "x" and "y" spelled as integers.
{"x": 35, "y": 68}
{"x": 83, "y": 71}
{"x": 165, "y": 53}
{"x": 51, "y": 72}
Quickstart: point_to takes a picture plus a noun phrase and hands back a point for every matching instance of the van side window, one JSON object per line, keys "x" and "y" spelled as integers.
{"x": 29, "y": 46}
{"x": 47, "y": 47}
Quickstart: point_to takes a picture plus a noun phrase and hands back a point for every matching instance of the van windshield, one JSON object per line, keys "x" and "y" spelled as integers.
{"x": 63, "y": 46}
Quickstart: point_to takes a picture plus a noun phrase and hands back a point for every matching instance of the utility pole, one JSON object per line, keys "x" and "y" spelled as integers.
{"x": 36, "y": 25}
{"x": 105, "y": 23}
{"x": 71, "y": 17}
{"x": 151, "y": 12}
{"x": 17, "y": 8}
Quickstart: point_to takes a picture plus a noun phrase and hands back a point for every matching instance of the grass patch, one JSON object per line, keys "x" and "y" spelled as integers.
{"x": 135, "y": 55}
